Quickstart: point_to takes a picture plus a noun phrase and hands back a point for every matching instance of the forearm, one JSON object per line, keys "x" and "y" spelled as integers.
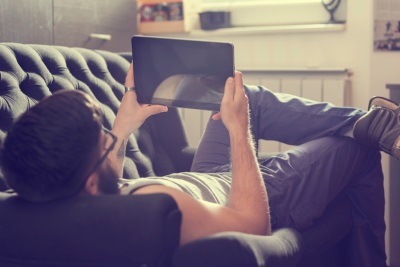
{"x": 117, "y": 155}
{"x": 131, "y": 115}
{"x": 248, "y": 194}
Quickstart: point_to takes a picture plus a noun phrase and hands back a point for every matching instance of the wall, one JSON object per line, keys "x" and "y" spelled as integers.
{"x": 94, "y": 24}
{"x": 352, "y": 48}
{"x": 26, "y": 21}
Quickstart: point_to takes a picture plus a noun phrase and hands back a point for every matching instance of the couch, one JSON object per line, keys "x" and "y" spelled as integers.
{"x": 131, "y": 230}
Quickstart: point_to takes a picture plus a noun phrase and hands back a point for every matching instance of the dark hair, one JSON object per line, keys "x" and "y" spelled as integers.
{"x": 48, "y": 150}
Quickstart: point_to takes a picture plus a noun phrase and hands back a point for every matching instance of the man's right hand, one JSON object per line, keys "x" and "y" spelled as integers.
{"x": 247, "y": 210}
{"x": 234, "y": 106}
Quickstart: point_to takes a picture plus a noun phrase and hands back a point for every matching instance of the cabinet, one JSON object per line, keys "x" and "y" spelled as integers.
{"x": 394, "y": 196}
{"x": 94, "y": 24}
{"x": 26, "y": 21}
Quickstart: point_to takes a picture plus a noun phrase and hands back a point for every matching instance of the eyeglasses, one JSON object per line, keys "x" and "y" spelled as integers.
{"x": 107, "y": 148}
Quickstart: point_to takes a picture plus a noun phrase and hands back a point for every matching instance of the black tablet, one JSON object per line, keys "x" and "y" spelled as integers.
{"x": 181, "y": 73}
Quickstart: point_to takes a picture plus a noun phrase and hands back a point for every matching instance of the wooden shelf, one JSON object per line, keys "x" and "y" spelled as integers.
{"x": 150, "y": 2}
{"x": 153, "y": 27}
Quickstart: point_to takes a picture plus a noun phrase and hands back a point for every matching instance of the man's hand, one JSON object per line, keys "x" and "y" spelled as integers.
{"x": 130, "y": 117}
{"x": 234, "y": 106}
{"x": 131, "y": 114}
{"x": 247, "y": 209}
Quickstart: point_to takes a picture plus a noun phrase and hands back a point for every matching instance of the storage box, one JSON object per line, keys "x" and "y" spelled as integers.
{"x": 158, "y": 16}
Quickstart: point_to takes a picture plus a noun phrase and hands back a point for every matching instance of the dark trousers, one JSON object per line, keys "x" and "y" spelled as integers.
{"x": 301, "y": 182}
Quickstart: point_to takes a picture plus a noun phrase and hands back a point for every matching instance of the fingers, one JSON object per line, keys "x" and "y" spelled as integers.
{"x": 239, "y": 84}
{"x": 234, "y": 86}
{"x": 129, "y": 80}
{"x": 229, "y": 89}
{"x": 216, "y": 116}
{"x": 154, "y": 109}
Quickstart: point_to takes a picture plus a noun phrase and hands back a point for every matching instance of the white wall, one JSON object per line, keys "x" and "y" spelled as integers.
{"x": 350, "y": 48}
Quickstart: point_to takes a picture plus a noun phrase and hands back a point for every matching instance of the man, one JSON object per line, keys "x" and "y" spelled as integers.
{"x": 59, "y": 149}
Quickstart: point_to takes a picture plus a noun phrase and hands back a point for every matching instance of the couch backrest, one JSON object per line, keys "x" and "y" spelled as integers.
{"x": 28, "y": 73}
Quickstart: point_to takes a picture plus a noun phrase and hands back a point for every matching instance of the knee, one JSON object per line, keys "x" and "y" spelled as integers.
{"x": 257, "y": 93}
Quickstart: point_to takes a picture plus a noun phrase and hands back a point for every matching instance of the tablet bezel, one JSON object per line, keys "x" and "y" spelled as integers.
{"x": 139, "y": 43}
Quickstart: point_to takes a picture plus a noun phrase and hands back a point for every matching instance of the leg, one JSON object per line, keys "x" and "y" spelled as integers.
{"x": 304, "y": 180}
{"x": 294, "y": 120}
{"x": 275, "y": 116}
{"x": 213, "y": 150}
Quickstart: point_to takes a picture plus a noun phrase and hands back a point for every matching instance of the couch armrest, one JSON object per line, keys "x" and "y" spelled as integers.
{"x": 126, "y": 55}
{"x": 231, "y": 249}
{"x": 187, "y": 158}
{"x": 103, "y": 231}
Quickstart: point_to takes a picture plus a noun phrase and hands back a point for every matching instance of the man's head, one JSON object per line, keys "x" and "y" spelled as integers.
{"x": 53, "y": 148}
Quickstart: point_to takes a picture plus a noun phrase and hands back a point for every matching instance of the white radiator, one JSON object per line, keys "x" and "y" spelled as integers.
{"x": 331, "y": 85}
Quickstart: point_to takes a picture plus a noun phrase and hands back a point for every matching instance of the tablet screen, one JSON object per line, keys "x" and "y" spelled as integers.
{"x": 181, "y": 73}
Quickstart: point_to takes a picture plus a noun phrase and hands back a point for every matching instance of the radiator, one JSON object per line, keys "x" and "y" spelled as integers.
{"x": 329, "y": 85}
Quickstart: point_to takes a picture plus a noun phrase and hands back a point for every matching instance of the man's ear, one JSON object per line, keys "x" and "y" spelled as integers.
{"x": 92, "y": 185}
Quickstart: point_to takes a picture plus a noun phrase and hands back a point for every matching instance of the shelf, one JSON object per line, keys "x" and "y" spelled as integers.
{"x": 299, "y": 70}
{"x": 153, "y": 2}
{"x": 162, "y": 27}
{"x": 308, "y": 28}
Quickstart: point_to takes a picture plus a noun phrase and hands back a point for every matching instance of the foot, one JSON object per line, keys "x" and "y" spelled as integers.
{"x": 379, "y": 128}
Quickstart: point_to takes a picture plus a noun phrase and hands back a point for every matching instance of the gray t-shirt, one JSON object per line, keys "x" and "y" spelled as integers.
{"x": 212, "y": 187}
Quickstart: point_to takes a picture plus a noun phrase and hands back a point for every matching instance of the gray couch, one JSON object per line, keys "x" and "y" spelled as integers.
{"x": 131, "y": 230}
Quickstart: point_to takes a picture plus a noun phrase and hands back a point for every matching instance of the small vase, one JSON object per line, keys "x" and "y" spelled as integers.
{"x": 331, "y": 6}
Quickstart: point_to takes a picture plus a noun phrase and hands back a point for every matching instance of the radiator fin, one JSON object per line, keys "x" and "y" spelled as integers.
{"x": 326, "y": 86}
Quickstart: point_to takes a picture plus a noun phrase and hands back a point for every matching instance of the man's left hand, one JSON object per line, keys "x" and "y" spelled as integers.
{"x": 131, "y": 114}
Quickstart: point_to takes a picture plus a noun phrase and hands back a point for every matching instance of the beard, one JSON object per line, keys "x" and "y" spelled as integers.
{"x": 108, "y": 180}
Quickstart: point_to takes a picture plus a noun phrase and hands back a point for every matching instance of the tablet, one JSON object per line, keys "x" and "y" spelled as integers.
{"x": 181, "y": 73}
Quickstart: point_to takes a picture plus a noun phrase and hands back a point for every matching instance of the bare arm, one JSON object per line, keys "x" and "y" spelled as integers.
{"x": 130, "y": 117}
{"x": 248, "y": 209}
{"x": 248, "y": 192}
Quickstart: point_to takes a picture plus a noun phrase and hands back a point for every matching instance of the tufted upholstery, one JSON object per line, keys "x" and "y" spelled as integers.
{"x": 28, "y": 73}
